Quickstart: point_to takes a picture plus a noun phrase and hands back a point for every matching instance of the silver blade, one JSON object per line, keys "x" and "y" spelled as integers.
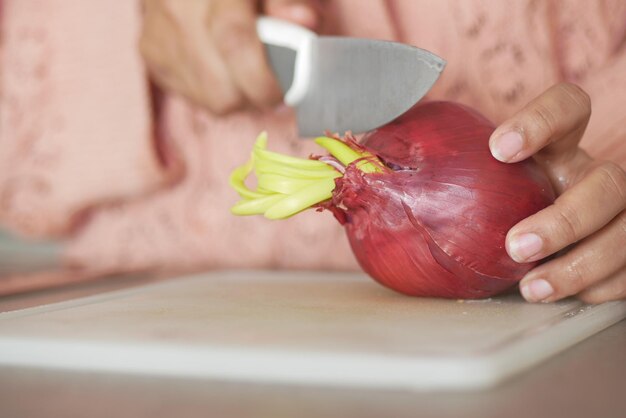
{"x": 360, "y": 84}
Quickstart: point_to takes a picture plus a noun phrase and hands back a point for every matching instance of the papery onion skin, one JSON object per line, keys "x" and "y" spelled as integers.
{"x": 436, "y": 225}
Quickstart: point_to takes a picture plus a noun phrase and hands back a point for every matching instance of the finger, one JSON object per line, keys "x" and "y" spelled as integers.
{"x": 613, "y": 288}
{"x": 158, "y": 69}
{"x": 583, "y": 209}
{"x": 306, "y": 13}
{"x": 597, "y": 257}
{"x": 232, "y": 24}
{"x": 157, "y": 49}
{"x": 554, "y": 122}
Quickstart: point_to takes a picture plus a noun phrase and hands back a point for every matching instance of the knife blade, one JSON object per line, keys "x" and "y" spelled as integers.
{"x": 345, "y": 84}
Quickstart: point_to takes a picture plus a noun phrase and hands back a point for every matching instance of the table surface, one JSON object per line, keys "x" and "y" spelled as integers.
{"x": 587, "y": 380}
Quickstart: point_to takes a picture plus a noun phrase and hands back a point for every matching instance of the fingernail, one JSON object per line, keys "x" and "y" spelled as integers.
{"x": 507, "y": 146}
{"x": 536, "y": 290}
{"x": 524, "y": 246}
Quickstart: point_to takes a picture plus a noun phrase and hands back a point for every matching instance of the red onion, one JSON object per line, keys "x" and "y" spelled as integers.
{"x": 432, "y": 219}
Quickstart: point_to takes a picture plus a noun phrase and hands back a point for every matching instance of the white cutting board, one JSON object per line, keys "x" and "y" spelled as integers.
{"x": 310, "y": 328}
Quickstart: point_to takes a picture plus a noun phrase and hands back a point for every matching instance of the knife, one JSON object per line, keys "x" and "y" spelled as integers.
{"x": 344, "y": 84}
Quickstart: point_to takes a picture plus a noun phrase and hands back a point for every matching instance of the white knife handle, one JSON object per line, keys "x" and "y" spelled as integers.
{"x": 285, "y": 34}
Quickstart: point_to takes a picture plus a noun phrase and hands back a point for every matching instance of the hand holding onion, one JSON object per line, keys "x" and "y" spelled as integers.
{"x": 588, "y": 218}
{"x": 427, "y": 208}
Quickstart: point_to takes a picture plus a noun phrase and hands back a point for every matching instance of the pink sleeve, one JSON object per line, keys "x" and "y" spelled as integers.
{"x": 71, "y": 81}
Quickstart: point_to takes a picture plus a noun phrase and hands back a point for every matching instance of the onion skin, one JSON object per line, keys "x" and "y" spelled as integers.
{"x": 436, "y": 224}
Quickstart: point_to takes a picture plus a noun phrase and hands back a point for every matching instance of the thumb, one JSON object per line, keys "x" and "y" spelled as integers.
{"x": 306, "y": 13}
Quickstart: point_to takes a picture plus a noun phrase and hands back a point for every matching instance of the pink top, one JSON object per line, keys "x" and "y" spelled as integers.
{"x": 130, "y": 186}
